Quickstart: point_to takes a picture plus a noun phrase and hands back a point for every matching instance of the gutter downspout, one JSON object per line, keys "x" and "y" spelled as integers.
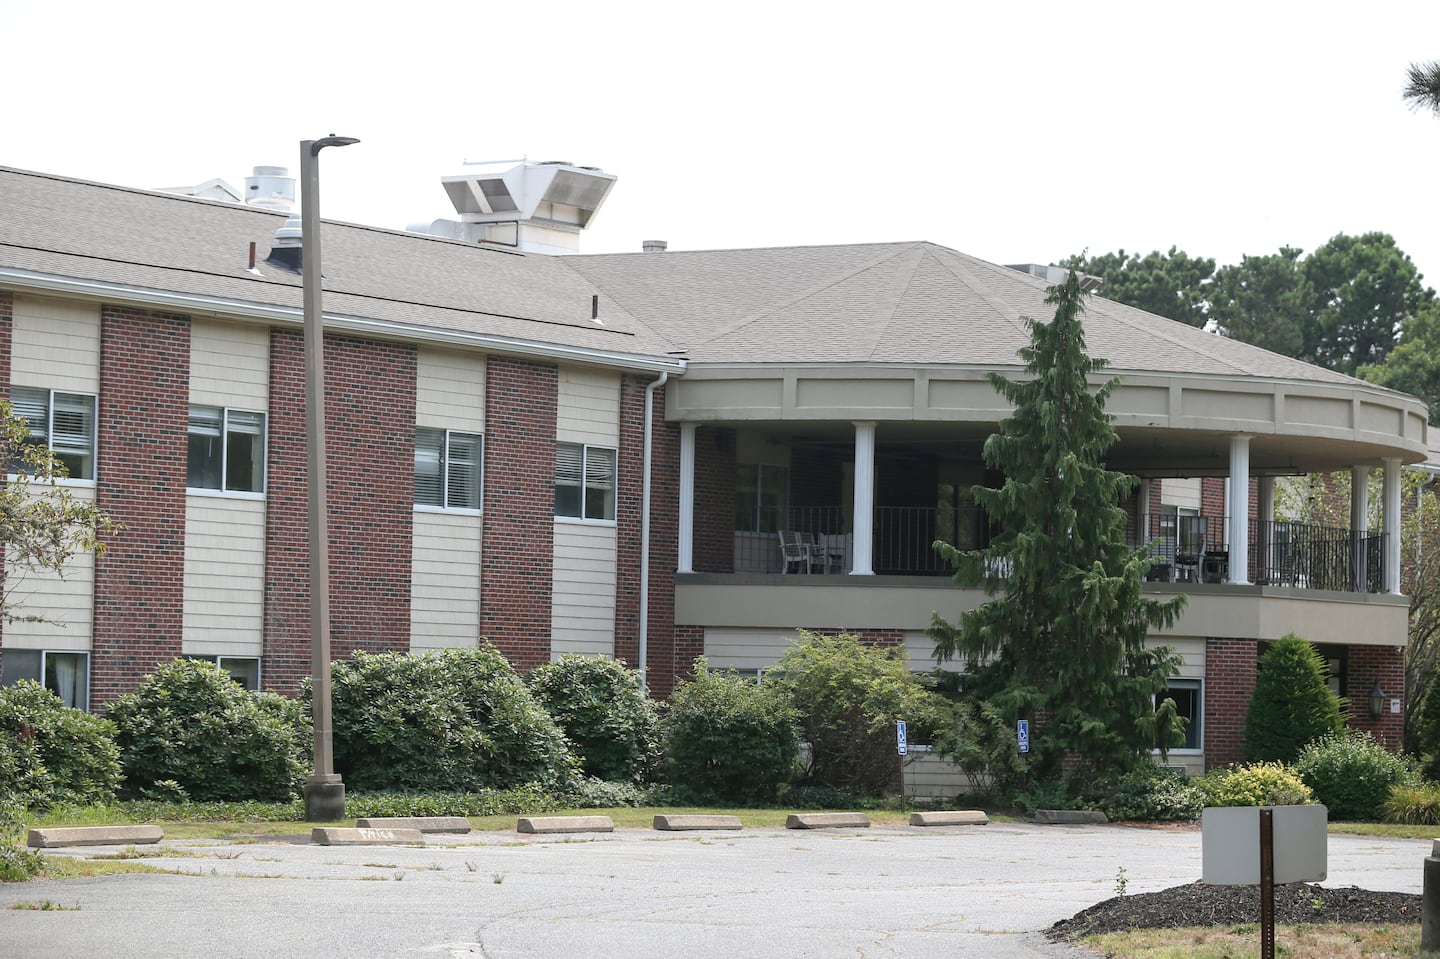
{"x": 644, "y": 637}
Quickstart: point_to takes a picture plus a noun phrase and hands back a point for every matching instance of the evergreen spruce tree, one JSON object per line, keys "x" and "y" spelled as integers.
{"x": 1061, "y": 641}
{"x": 1292, "y": 703}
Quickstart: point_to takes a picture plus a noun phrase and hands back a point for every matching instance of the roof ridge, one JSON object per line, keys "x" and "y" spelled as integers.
{"x": 984, "y": 294}
{"x": 895, "y": 307}
{"x": 829, "y": 283}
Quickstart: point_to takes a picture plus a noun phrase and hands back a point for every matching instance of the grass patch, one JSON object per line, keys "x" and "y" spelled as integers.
{"x": 69, "y": 867}
{"x": 1292, "y": 942}
{"x": 1384, "y": 829}
{"x": 44, "y": 905}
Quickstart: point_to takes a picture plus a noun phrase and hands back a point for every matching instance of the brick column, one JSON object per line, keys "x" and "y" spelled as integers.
{"x": 628, "y": 501}
{"x": 664, "y": 664}
{"x": 714, "y": 500}
{"x": 1230, "y": 666}
{"x": 370, "y": 436}
{"x": 140, "y": 482}
{"x": 517, "y": 556}
{"x": 1365, "y": 664}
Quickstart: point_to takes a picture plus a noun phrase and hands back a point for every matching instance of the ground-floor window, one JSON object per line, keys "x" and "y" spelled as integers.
{"x": 245, "y": 670}
{"x": 1188, "y": 703}
{"x": 65, "y": 674}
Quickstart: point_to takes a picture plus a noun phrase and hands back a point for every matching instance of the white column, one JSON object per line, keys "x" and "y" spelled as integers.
{"x": 1265, "y": 538}
{"x": 860, "y": 554}
{"x": 1142, "y": 521}
{"x": 1238, "y": 508}
{"x": 1391, "y": 495}
{"x": 685, "y": 535}
{"x": 1359, "y": 525}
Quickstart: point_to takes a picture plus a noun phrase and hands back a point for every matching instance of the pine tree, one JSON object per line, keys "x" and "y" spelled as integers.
{"x": 1061, "y": 641}
{"x": 1292, "y": 703}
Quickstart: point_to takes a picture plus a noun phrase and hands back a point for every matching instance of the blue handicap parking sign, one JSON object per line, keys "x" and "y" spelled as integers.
{"x": 1022, "y": 734}
{"x": 901, "y": 746}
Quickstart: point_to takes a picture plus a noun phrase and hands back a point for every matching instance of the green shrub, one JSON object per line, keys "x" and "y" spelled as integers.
{"x": 50, "y": 753}
{"x": 1352, "y": 774}
{"x": 604, "y": 711}
{"x": 593, "y": 793}
{"x": 728, "y": 739}
{"x": 847, "y": 696}
{"x": 192, "y": 728}
{"x": 1149, "y": 793}
{"x": 1428, "y": 733}
{"x": 1417, "y": 804}
{"x": 1257, "y": 784}
{"x": 458, "y": 719}
{"x": 1292, "y": 703}
{"x": 981, "y": 742}
{"x": 16, "y": 862}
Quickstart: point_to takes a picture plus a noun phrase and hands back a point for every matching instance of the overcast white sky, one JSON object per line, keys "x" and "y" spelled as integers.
{"x": 1011, "y": 131}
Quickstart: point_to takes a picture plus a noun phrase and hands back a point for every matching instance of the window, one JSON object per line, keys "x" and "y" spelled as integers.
{"x": 761, "y": 492}
{"x": 1186, "y": 693}
{"x": 63, "y": 421}
{"x": 227, "y": 450}
{"x": 245, "y": 670}
{"x": 584, "y": 481}
{"x": 447, "y": 468}
{"x": 67, "y": 675}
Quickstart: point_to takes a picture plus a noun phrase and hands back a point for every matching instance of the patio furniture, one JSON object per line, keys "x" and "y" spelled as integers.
{"x": 794, "y": 552}
{"x": 831, "y": 550}
{"x": 1190, "y": 547}
{"x": 818, "y": 554}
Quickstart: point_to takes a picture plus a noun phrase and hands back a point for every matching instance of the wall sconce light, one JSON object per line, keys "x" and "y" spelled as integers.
{"x": 1377, "y": 700}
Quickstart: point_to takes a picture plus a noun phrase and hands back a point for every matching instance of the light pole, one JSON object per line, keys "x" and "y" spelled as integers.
{"x": 324, "y": 792}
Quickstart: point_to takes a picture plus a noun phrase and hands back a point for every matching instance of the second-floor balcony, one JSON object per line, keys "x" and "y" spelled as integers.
{"x": 1186, "y": 549}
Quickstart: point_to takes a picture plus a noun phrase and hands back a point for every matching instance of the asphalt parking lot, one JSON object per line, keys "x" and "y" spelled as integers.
{"x": 892, "y": 891}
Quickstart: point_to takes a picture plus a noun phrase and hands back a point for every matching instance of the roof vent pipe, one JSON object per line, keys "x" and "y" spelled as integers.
{"x": 654, "y": 246}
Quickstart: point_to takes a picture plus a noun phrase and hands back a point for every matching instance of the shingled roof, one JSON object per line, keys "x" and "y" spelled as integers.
{"x": 902, "y": 303}
{"x": 884, "y": 303}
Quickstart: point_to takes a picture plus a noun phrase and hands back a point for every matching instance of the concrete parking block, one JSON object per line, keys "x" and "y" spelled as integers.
{"x": 542, "y": 825}
{"x": 342, "y": 836}
{"x": 950, "y": 817}
{"x": 827, "y": 820}
{"x": 1069, "y": 817}
{"x": 676, "y": 823}
{"x": 93, "y": 836}
{"x": 451, "y": 824}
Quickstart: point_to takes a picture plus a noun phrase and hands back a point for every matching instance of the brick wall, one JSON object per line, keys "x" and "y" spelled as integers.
{"x": 518, "y": 550}
{"x": 689, "y": 646}
{"x": 1229, "y": 683}
{"x": 714, "y": 500}
{"x": 663, "y": 661}
{"x": 140, "y": 482}
{"x": 7, "y": 319}
{"x": 1364, "y": 665}
{"x": 370, "y": 416}
{"x": 628, "y": 519}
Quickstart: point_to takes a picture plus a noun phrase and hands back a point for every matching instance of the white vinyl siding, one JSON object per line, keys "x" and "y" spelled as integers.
{"x": 1184, "y": 493}
{"x": 450, "y": 389}
{"x": 69, "y": 600}
{"x": 445, "y": 582}
{"x": 582, "y": 611}
{"x": 223, "y": 612}
{"x": 56, "y": 344}
{"x": 587, "y": 407}
{"x": 229, "y": 365}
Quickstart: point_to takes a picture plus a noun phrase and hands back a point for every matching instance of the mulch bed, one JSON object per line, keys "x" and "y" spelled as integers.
{"x": 1197, "y": 904}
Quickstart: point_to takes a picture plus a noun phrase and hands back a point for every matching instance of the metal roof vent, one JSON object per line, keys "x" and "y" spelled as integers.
{"x": 1057, "y": 274}
{"x": 654, "y": 246}
{"x": 535, "y": 207}
{"x": 270, "y": 188}
{"x": 287, "y": 249}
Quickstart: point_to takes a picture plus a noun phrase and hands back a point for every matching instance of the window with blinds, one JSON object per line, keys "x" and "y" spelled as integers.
{"x": 448, "y": 468}
{"x": 65, "y": 422}
{"x": 584, "y": 481}
{"x": 226, "y": 450}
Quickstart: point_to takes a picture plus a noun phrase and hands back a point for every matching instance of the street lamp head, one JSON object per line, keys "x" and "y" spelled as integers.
{"x": 331, "y": 141}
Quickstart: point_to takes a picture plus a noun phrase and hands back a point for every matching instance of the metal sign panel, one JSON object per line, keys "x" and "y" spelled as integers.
{"x": 1230, "y": 844}
{"x": 1022, "y": 735}
{"x": 900, "y": 745}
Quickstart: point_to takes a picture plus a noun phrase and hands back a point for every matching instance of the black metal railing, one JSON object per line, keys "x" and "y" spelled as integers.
{"x": 1186, "y": 548}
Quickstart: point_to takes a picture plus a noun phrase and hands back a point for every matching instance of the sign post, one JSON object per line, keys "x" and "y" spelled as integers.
{"x": 1292, "y": 848}
{"x": 901, "y": 748}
